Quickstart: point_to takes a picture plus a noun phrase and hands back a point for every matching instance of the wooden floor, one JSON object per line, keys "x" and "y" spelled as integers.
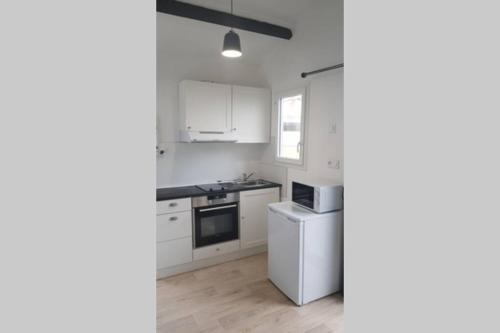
{"x": 237, "y": 297}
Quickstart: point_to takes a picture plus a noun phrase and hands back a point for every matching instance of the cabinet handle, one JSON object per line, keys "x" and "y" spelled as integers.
{"x": 173, "y": 218}
{"x": 211, "y": 132}
{"x": 173, "y": 204}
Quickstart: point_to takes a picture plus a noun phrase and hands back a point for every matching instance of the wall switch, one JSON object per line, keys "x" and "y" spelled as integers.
{"x": 160, "y": 150}
{"x": 333, "y": 128}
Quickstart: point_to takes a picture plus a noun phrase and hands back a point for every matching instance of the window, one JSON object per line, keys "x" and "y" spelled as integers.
{"x": 291, "y": 114}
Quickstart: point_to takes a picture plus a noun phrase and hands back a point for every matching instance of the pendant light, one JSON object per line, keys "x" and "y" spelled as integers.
{"x": 232, "y": 46}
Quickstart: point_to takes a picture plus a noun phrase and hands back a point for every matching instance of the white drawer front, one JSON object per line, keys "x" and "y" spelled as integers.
{"x": 215, "y": 250}
{"x": 173, "y": 226}
{"x": 172, "y": 206}
{"x": 174, "y": 252}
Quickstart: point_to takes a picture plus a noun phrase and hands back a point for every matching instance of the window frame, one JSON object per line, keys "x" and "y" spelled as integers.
{"x": 279, "y": 96}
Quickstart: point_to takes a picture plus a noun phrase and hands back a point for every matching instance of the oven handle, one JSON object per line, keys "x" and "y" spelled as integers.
{"x": 216, "y": 208}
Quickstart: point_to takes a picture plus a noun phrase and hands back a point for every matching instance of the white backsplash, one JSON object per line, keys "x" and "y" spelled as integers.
{"x": 201, "y": 163}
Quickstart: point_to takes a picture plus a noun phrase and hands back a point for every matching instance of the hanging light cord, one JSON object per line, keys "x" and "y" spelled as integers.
{"x": 232, "y": 13}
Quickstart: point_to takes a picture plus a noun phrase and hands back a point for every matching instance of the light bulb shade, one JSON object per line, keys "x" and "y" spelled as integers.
{"x": 232, "y": 46}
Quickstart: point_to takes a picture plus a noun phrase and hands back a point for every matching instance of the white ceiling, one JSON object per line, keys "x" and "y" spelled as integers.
{"x": 192, "y": 38}
{"x": 280, "y": 12}
{"x": 183, "y": 38}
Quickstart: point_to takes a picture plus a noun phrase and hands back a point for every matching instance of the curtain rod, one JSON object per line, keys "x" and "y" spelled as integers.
{"x": 305, "y": 74}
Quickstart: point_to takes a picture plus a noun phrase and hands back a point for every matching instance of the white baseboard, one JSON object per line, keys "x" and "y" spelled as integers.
{"x": 191, "y": 266}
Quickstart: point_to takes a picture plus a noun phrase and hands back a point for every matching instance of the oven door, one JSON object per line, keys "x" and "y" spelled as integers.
{"x": 215, "y": 224}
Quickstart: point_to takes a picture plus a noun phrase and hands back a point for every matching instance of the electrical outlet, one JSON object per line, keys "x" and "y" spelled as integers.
{"x": 334, "y": 164}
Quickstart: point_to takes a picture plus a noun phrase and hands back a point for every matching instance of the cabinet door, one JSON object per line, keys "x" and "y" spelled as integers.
{"x": 205, "y": 106}
{"x": 251, "y": 114}
{"x": 174, "y": 252}
{"x": 253, "y": 215}
{"x": 285, "y": 255}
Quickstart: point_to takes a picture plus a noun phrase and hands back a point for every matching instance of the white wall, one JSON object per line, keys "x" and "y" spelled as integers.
{"x": 317, "y": 43}
{"x": 179, "y": 59}
{"x": 200, "y": 163}
{"x": 324, "y": 143}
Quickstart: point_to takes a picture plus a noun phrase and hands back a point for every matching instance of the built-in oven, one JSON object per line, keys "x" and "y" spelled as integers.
{"x": 215, "y": 219}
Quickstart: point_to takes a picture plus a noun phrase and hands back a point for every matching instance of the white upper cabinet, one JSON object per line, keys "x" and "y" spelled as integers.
{"x": 205, "y": 106}
{"x": 251, "y": 114}
{"x": 220, "y": 112}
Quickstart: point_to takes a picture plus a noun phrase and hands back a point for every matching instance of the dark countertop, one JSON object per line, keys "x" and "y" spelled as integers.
{"x": 168, "y": 193}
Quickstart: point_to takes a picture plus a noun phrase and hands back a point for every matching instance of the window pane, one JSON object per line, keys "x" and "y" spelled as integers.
{"x": 290, "y": 127}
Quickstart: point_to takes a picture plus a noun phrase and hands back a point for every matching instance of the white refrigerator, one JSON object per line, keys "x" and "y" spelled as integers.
{"x": 305, "y": 251}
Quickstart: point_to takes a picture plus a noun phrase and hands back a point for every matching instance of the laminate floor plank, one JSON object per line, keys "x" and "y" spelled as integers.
{"x": 237, "y": 297}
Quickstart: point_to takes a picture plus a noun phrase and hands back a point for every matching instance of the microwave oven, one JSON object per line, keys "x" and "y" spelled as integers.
{"x": 320, "y": 196}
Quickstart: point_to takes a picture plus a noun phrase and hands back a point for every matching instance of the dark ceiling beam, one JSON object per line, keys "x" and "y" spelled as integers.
{"x": 183, "y": 9}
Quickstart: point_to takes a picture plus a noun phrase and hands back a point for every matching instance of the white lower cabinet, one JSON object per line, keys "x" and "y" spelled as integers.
{"x": 174, "y": 252}
{"x": 253, "y": 215}
{"x": 174, "y": 243}
{"x": 174, "y": 234}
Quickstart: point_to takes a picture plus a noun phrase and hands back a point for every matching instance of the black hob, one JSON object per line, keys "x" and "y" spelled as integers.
{"x": 215, "y": 187}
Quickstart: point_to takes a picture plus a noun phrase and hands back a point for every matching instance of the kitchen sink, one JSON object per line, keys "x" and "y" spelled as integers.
{"x": 250, "y": 183}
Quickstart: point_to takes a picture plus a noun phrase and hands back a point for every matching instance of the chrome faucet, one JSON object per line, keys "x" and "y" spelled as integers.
{"x": 245, "y": 177}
